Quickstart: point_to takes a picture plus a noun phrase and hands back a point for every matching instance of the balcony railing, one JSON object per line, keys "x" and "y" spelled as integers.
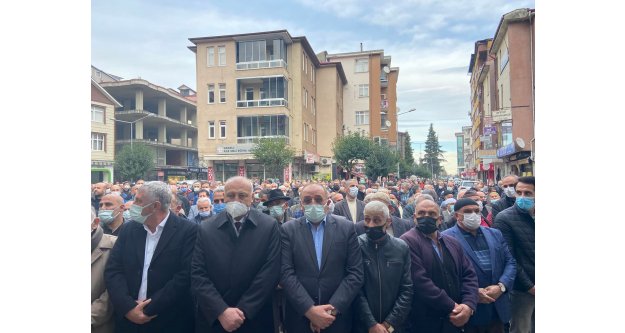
{"x": 261, "y": 64}
{"x": 255, "y": 139}
{"x": 263, "y": 103}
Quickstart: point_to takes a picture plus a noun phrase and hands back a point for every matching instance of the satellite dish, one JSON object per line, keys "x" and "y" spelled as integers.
{"x": 388, "y": 123}
{"x": 386, "y": 69}
{"x": 520, "y": 143}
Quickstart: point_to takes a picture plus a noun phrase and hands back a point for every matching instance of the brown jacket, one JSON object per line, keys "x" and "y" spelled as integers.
{"x": 101, "y": 307}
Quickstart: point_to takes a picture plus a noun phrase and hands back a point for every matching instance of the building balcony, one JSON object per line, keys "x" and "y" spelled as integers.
{"x": 277, "y": 63}
{"x": 155, "y": 143}
{"x": 134, "y": 115}
{"x": 268, "y": 102}
{"x": 255, "y": 139}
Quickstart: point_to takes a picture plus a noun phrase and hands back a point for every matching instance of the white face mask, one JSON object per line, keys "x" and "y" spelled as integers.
{"x": 236, "y": 209}
{"x": 471, "y": 221}
{"x": 509, "y": 192}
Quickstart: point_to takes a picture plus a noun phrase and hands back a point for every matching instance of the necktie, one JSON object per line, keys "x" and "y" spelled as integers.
{"x": 238, "y": 226}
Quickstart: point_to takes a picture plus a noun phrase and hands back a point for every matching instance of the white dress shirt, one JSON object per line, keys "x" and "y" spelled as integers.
{"x": 151, "y": 240}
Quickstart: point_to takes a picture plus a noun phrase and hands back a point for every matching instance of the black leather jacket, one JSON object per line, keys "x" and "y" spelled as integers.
{"x": 387, "y": 292}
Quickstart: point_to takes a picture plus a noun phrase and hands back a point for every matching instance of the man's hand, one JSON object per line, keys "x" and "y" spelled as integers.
{"x": 460, "y": 315}
{"x": 231, "y": 319}
{"x": 378, "y": 328}
{"x": 485, "y": 297}
{"x": 136, "y": 314}
{"x": 532, "y": 291}
{"x": 493, "y": 291}
{"x": 314, "y": 328}
{"x": 319, "y": 317}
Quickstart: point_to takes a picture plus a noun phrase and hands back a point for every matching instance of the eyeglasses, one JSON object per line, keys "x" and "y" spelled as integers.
{"x": 218, "y": 200}
{"x": 308, "y": 200}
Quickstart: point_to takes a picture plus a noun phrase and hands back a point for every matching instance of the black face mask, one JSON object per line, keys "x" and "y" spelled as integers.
{"x": 426, "y": 224}
{"x": 336, "y": 188}
{"x": 375, "y": 233}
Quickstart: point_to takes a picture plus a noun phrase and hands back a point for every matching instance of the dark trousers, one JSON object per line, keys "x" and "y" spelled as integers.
{"x": 495, "y": 326}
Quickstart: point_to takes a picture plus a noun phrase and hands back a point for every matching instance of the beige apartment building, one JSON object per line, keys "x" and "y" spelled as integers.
{"x": 264, "y": 84}
{"x": 102, "y": 134}
{"x": 370, "y": 98}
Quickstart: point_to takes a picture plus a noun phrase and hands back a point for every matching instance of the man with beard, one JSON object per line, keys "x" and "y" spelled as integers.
{"x": 111, "y": 214}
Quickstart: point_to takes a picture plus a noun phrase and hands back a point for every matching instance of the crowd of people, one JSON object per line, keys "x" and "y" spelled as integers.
{"x": 413, "y": 255}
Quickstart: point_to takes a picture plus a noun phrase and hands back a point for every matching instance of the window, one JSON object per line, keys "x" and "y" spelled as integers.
{"x": 211, "y": 93}
{"x": 362, "y": 117}
{"x": 222, "y": 55}
{"x": 313, "y": 76}
{"x": 383, "y": 117}
{"x": 363, "y": 90}
{"x": 222, "y": 129}
{"x": 211, "y": 56}
{"x": 259, "y": 126}
{"x": 313, "y": 105}
{"x": 97, "y": 141}
{"x": 211, "y": 129}
{"x": 305, "y": 132}
{"x": 97, "y": 114}
{"x": 303, "y": 62}
{"x": 222, "y": 93}
{"x": 305, "y": 98}
{"x": 362, "y": 65}
{"x": 311, "y": 71}
{"x": 249, "y": 94}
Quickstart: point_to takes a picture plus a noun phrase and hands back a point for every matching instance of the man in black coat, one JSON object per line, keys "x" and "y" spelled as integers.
{"x": 351, "y": 207}
{"x": 321, "y": 270}
{"x": 508, "y": 197}
{"x": 396, "y": 228}
{"x": 236, "y": 266}
{"x": 147, "y": 274}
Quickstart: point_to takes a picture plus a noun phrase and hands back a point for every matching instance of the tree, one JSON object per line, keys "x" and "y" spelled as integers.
{"x": 380, "y": 162}
{"x": 274, "y": 154}
{"x": 350, "y": 148}
{"x": 132, "y": 163}
{"x": 408, "y": 153}
{"x": 433, "y": 153}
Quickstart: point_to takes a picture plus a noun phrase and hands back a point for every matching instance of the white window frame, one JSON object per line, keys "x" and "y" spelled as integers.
{"x": 211, "y": 127}
{"x": 305, "y": 132}
{"x": 305, "y": 99}
{"x": 364, "y": 116}
{"x": 211, "y": 88}
{"x": 313, "y": 105}
{"x": 96, "y": 109}
{"x": 210, "y": 55}
{"x": 362, "y": 89}
{"x": 100, "y": 141}
{"x": 222, "y": 129}
{"x": 361, "y": 65}
{"x": 222, "y": 93}
{"x": 221, "y": 51}
{"x": 303, "y": 61}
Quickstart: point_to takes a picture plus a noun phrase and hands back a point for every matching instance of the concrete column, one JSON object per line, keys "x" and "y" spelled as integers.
{"x": 184, "y": 138}
{"x": 138, "y": 99}
{"x": 138, "y": 130}
{"x": 183, "y": 115}
{"x": 162, "y": 107}
{"x": 162, "y": 133}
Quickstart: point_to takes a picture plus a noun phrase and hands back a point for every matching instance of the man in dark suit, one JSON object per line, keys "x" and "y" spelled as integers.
{"x": 351, "y": 208}
{"x": 494, "y": 264}
{"x": 147, "y": 274}
{"x": 322, "y": 269}
{"x": 445, "y": 283}
{"x": 397, "y": 226}
{"x": 236, "y": 265}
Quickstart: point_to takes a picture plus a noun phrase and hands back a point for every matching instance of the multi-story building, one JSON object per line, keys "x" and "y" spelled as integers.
{"x": 163, "y": 119}
{"x": 466, "y": 162}
{"x": 370, "y": 98}
{"x": 258, "y": 85}
{"x": 102, "y": 134}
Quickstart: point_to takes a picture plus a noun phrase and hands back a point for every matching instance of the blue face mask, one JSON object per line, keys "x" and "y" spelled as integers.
{"x": 218, "y": 208}
{"x": 524, "y": 203}
{"x": 314, "y": 213}
{"x": 204, "y": 214}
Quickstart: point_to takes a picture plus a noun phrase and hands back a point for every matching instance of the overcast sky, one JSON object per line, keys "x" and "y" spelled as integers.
{"x": 430, "y": 41}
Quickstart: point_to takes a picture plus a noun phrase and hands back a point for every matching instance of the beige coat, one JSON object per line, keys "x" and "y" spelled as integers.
{"x": 101, "y": 307}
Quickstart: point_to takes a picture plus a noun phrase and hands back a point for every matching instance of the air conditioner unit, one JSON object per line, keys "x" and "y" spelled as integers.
{"x": 315, "y": 168}
{"x": 326, "y": 161}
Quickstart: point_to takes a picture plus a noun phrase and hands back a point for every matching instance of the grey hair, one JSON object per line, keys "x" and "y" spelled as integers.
{"x": 158, "y": 191}
{"x": 424, "y": 197}
{"x": 377, "y": 207}
{"x": 204, "y": 200}
{"x": 235, "y": 178}
{"x": 379, "y": 196}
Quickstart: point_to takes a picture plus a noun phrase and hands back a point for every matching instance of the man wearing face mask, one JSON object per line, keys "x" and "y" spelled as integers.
{"x": 384, "y": 301}
{"x": 219, "y": 204}
{"x": 203, "y": 210}
{"x": 351, "y": 208}
{"x": 475, "y": 196}
{"x": 444, "y": 281}
{"x": 147, "y": 274}
{"x": 193, "y": 211}
{"x": 396, "y": 226}
{"x": 493, "y": 263}
{"x": 236, "y": 266}
{"x": 101, "y": 307}
{"x": 322, "y": 270}
{"x": 518, "y": 228}
{"x": 508, "y": 197}
{"x": 111, "y": 214}
{"x": 278, "y": 205}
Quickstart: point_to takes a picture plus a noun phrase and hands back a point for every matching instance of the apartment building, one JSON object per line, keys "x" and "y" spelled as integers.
{"x": 258, "y": 85}
{"x": 102, "y": 134}
{"x": 465, "y": 162}
{"x": 163, "y": 119}
{"x": 370, "y": 98}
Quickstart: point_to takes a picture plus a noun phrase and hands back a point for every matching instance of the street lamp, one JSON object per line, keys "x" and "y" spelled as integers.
{"x": 397, "y": 135}
{"x": 132, "y": 124}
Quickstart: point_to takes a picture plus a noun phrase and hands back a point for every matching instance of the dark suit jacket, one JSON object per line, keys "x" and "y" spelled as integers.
{"x": 400, "y": 226}
{"x": 230, "y": 271}
{"x": 168, "y": 276}
{"x": 431, "y": 303}
{"x": 338, "y": 282}
{"x": 342, "y": 209}
{"x": 503, "y": 270}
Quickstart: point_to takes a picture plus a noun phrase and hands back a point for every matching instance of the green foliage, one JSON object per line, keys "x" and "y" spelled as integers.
{"x": 274, "y": 153}
{"x": 132, "y": 164}
{"x": 350, "y": 148}
{"x": 433, "y": 154}
{"x": 408, "y": 151}
{"x": 380, "y": 162}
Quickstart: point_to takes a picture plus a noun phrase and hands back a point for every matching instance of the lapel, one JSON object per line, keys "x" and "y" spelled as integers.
{"x": 360, "y": 207}
{"x": 140, "y": 236}
{"x": 168, "y": 232}
{"x": 309, "y": 244}
{"x": 328, "y": 239}
{"x": 466, "y": 246}
{"x": 490, "y": 240}
{"x": 97, "y": 253}
{"x": 345, "y": 209}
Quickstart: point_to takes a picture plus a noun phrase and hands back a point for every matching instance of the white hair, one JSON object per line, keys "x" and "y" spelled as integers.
{"x": 158, "y": 191}
{"x": 377, "y": 207}
{"x": 204, "y": 199}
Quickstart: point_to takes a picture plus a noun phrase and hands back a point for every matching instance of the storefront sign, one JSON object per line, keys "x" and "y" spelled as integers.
{"x": 210, "y": 173}
{"x": 311, "y": 158}
{"x": 490, "y": 130}
{"x": 505, "y": 150}
{"x": 235, "y": 149}
{"x": 242, "y": 171}
{"x": 287, "y": 173}
{"x": 192, "y": 169}
{"x": 502, "y": 115}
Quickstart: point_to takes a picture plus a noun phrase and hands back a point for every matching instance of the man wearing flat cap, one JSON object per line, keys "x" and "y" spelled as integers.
{"x": 493, "y": 263}
{"x": 277, "y": 204}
